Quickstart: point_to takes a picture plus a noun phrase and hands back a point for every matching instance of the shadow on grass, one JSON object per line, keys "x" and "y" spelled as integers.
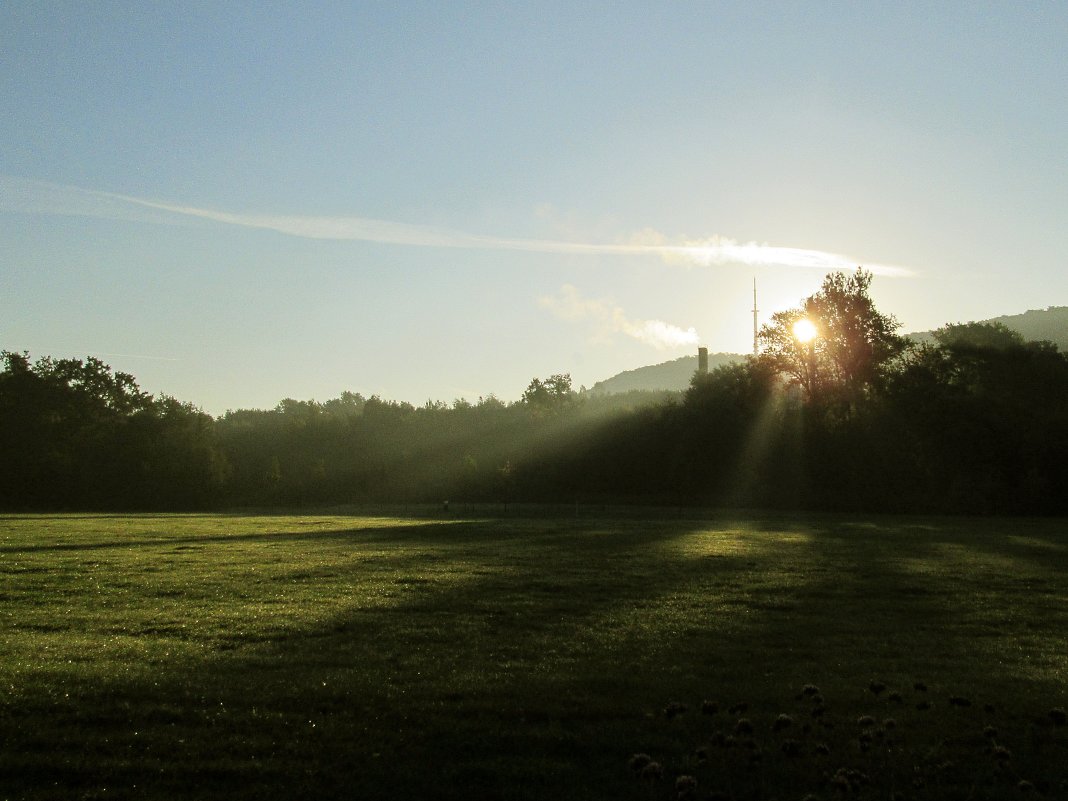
{"x": 526, "y": 659}
{"x": 355, "y": 534}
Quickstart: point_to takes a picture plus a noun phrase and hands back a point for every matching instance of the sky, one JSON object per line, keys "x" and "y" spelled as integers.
{"x": 243, "y": 202}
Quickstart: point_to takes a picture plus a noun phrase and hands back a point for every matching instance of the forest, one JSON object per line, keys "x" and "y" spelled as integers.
{"x": 836, "y": 413}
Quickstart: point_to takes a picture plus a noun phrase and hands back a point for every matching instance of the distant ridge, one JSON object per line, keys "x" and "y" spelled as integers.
{"x": 672, "y": 376}
{"x": 1050, "y": 324}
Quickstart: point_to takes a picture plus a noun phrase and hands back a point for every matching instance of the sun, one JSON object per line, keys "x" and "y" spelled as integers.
{"x": 804, "y": 330}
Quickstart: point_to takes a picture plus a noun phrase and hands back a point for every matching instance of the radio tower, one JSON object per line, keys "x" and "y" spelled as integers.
{"x": 755, "y": 350}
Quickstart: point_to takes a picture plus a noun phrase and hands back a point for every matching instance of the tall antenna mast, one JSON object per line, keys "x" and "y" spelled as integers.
{"x": 755, "y": 349}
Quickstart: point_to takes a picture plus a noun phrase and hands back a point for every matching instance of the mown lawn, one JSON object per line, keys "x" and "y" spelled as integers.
{"x": 168, "y": 656}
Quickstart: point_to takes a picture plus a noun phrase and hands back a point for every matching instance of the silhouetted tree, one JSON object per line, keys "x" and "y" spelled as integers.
{"x": 549, "y": 395}
{"x": 984, "y": 336}
{"x": 74, "y": 433}
{"x": 986, "y": 418}
{"x": 853, "y": 343}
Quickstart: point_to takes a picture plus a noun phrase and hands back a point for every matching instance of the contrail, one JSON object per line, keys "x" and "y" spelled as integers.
{"x": 38, "y": 197}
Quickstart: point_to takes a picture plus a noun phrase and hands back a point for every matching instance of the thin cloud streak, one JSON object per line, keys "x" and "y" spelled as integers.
{"x": 38, "y": 197}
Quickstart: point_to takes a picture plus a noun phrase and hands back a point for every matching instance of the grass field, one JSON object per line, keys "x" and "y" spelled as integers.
{"x": 315, "y": 657}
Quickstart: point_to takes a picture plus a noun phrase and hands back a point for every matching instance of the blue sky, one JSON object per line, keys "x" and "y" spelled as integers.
{"x": 321, "y": 173}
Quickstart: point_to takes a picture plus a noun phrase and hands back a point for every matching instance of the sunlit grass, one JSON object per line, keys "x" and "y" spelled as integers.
{"x": 340, "y": 656}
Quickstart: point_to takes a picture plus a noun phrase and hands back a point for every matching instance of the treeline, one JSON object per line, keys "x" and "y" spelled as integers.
{"x": 857, "y": 420}
{"x": 75, "y": 435}
{"x": 977, "y": 424}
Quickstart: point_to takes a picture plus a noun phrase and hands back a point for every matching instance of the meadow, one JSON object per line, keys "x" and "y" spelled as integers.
{"x": 456, "y": 656}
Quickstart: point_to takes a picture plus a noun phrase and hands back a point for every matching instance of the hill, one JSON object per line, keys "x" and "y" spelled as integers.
{"x": 672, "y": 376}
{"x": 1050, "y": 324}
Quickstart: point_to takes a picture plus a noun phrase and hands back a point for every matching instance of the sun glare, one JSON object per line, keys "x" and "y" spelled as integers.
{"x": 804, "y": 330}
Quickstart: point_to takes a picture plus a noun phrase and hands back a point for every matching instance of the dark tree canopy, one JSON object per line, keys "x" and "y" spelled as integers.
{"x": 550, "y": 394}
{"x": 75, "y": 434}
{"x": 970, "y": 336}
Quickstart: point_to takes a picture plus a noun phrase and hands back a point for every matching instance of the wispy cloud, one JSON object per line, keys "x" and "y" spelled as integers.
{"x": 607, "y": 319}
{"x": 37, "y": 197}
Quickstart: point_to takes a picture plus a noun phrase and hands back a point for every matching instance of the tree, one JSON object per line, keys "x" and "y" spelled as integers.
{"x": 75, "y": 433}
{"x": 848, "y": 347}
{"x": 93, "y": 388}
{"x": 987, "y": 413}
{"x": 976, "y": 336}
{"x": 549, "y": 395}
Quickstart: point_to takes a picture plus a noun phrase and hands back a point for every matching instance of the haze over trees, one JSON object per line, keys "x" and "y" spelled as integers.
{"x": 672, "y": 376}
{"x": 974, "y": 421}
